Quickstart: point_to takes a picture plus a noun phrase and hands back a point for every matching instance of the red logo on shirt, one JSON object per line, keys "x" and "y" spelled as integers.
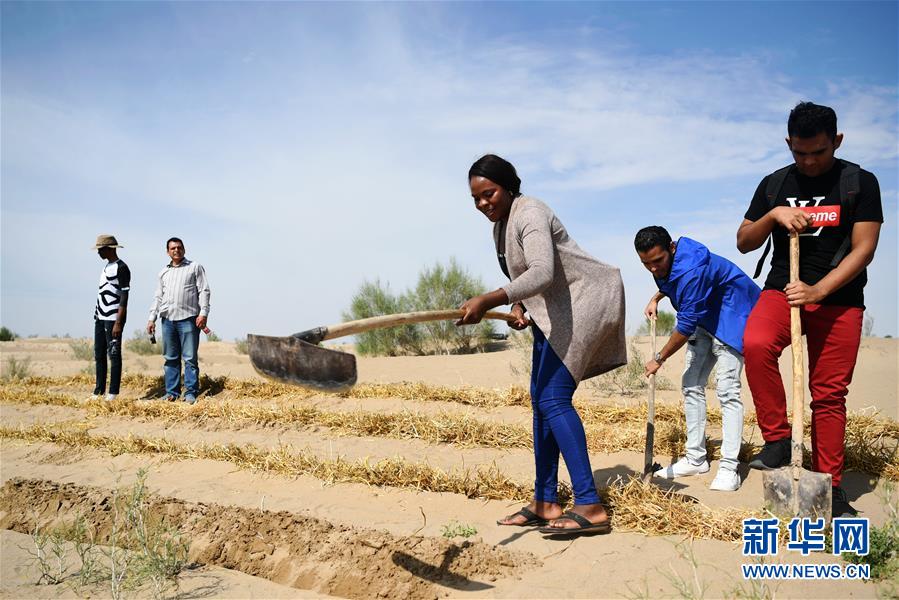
{"x": 823, "y": 216}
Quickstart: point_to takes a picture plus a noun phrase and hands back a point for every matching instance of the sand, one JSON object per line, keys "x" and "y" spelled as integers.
{"x": 263, "y": 535}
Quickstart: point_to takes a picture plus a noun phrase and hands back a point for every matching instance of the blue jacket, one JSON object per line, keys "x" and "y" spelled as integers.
{"x": 709, "y": 291}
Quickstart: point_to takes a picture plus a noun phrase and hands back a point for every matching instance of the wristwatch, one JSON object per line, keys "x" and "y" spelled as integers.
{"x": 658, "y": 358}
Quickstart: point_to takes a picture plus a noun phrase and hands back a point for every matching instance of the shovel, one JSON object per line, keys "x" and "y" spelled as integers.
{"x": 794, "y": 491}
{"x": 299, "y": 360}
{"x": 651, "y": 467}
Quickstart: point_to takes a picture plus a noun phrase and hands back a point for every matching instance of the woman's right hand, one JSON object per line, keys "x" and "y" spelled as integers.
{"x": 521, "y": 321}
{"x": 652, "y": 309}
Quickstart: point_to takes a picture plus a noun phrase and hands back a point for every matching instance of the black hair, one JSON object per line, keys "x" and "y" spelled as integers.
{"x": 173, "y": 239}
{"x": 650, "y": 237}
{"x": 808, "y": 120}
{"x": 498, "y": 170}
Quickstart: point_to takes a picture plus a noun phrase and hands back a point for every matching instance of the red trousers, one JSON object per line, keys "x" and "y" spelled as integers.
{"x": 833, "y": 334}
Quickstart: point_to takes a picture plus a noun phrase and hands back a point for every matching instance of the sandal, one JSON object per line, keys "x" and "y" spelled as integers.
{"x": 531, "y": 519}
{"x": 585, "y": 526}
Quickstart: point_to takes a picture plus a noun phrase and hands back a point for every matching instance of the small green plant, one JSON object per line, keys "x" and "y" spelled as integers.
{"x": 7, "y": 335}
{"x": 17, "y": 368}
{"x": 456, "y": 529}
{"x": 213, "y": 337}
{"x": 242, "y": 346}
{"x": 883, "y": 551}
{"x": 140, "y": 344}
{"x": 84, "y": 539}
{"x": 665, "y": 322}
{"x": 82, "y": 349}
{"x": 49, "y": 555}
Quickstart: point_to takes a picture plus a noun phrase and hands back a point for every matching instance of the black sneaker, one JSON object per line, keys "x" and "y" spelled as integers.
{"x": 841, "y": 506}
{"x": 773, "y": 456}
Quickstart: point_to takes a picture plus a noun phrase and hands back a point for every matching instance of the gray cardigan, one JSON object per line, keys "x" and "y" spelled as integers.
{"x": 576, "y": 300}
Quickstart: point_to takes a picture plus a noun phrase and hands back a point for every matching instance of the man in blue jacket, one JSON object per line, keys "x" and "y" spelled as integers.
{"x": 713, "y": 299}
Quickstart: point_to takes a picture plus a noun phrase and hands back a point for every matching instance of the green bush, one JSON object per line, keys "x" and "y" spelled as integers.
{"x": 82, "y": 349}
{"x": 373, "y": 300}
{"x": 7, "y": 335}
{"x": 241, "y": 346}
{"x": 16, "y": 368}
{"x": 440, "y": 287}
{"x": 140, "y": 344}
{"x": 664, "y": 324}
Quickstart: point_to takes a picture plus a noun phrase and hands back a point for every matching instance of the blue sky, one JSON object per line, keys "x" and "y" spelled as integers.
{"x": 302, "y": 148}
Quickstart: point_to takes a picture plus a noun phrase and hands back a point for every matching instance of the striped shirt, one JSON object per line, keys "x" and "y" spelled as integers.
{"x": 181, "y": 292}
{"x": 115, "y": 279}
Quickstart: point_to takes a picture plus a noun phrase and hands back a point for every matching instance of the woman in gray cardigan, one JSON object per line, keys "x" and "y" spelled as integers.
{"x": 576, "y": 309}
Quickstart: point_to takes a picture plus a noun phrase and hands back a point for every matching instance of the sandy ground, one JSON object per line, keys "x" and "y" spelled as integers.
{"x": 503, "y": 562}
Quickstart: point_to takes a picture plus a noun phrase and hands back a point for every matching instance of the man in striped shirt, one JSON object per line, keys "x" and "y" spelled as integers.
{"x": 182, "y": 301}
{"x": 110, "y": 313}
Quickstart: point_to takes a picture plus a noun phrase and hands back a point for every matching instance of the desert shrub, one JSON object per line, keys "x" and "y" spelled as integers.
{"x": 82, "y": 349}
{"x": 439, "y": 287}
{"x": 7, "y": 335}
{"x": 140, "y": 344}
{"x": 372, "y": 300}
{"x": 627, "y": 380}
{"x": 241, "y": 346}
{"x": 664, "y": 324}
{"x": 15, "y": 368}
{"x": 213, "y": 337}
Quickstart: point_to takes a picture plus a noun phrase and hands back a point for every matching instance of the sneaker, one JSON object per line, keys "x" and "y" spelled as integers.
{"x": 773, "y": 455}
{"x": 110, "y": 397}
{"x": 840, "y": 506}
{"x": 682, "y": 468}
{"x": 169, "y": 397}
{"x": 190, "y": 399}
{"x": 726, "y": 480}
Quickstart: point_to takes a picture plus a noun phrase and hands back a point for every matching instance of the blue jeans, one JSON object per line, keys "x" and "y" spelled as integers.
{"x": 557, "y": 427}
{"x": 705, "y": 351}
{"x": 105, "y": 344}
{"x": 180, "y": 340}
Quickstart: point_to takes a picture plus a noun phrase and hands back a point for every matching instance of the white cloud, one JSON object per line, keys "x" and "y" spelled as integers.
{"x": 319, "y": 159}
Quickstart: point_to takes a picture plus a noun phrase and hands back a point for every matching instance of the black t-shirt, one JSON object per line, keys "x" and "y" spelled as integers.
{"x": 817, "y": 246}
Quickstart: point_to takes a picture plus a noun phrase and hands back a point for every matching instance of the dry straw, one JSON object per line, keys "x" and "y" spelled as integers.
{"x": 635, "y": 507}
{"x": 871, "y": 443}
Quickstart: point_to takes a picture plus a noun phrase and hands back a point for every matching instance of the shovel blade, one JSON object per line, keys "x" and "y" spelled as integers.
{"x": 291, "y": 360}
{"x": 809, "y": 496}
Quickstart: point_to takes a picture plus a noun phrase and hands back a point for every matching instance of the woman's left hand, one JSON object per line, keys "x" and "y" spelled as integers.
{"x": 521, "y": 321}
{"x": 474, "y": 310}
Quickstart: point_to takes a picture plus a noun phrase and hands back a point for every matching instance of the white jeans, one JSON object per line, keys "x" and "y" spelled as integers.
{"x": 703, "y": 352}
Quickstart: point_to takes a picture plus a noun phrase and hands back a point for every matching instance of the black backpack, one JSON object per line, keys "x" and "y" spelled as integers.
{"x": 849, "y": 186}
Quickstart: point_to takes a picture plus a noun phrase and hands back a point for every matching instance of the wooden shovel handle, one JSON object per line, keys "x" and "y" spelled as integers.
{"x": 363, "y": 325}
{"x": 796, "y": 346}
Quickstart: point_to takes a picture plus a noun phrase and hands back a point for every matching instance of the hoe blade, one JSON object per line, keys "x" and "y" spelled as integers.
{"x": 291, "y": 360}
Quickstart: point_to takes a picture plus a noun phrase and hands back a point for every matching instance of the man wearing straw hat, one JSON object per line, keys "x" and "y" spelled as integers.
{"x": 110, "y": 314}
{"x": 713, "y": 299}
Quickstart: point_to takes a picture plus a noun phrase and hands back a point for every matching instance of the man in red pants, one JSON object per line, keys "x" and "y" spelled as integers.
{"x": 830, "y": 291}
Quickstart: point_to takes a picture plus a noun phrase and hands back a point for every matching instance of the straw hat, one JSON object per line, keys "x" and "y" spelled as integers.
{"x": 106, "y": 241}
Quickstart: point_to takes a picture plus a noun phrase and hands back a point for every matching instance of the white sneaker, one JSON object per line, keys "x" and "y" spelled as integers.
{"x": 726, "y": 481}
{"x": 111, "y": 396}
{"x": 682, "y": 468}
